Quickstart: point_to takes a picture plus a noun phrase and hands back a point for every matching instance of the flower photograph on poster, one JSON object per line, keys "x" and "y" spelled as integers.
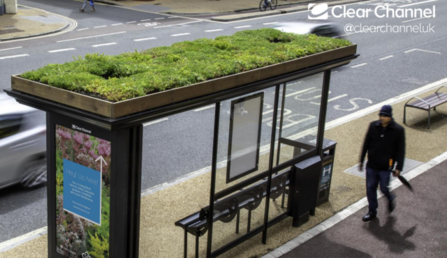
{"x": 84, "y": 162}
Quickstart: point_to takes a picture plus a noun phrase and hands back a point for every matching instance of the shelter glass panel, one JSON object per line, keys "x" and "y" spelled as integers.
{"x": 242, "y": 200}
{"x": 176, "y": 176}
{"x": 300, "y": 117}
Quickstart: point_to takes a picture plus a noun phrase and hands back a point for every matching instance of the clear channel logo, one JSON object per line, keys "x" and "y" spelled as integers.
{"x": 318, "y": 11}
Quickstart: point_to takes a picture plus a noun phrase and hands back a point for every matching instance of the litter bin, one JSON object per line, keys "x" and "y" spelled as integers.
{"x": 326, "y": 170}
{"x": 304, "y": 180}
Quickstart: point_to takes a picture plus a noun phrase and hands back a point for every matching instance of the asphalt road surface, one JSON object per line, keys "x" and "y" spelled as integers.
{"x": 390, "y": 63}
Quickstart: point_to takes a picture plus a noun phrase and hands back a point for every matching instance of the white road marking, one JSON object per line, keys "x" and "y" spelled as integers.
{"x": 10, "y": 48}
{"x": 144, "y": 39}
{"x": 150, "y": 24}
{"x": 82, "y": 29}
{"x": 417, "y": 3}
{"x": 172, "y": 17}
{"x": 422, "y": 50}
{"x": 146, "y": 20}
{"x": 311, "y": 91}
{"x": 102, "y": 26}
{"x": 355, "y": 106}
{"x": 106, "y": 44}
{"x": 203, "y": 108}
{"x": 293, "y": 83}
{"x": 7, "y": 57}
{"x": 355, "y": 66}
{"x": 117, "y": 24}
{"x": 298, "y": 92}
{"x": 268, "y": 23}
{"x": 61, "y": 50}
{"x": 156, "y": 121}
{"x": 179, "y": 24}
{"x": 383, "y": 58}
{"x": 414, "y": 20}
{"x": 240, "y": 27}
{"x": 181, "y": 34}
{"x": 338, "y": 97}
{"x": 213, "y": 30}
{"x": 158, "y": 18}
{"x": 132, "y": 22}
{"x": 332, "y": 99}
{"x": 103, "y": 35}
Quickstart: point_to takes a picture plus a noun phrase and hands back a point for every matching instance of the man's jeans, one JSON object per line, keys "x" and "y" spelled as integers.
{"x": 373, "y": 178}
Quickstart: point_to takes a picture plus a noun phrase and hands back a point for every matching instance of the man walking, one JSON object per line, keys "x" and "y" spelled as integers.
{"x": 385, "y": 144}
{"x": 92, "y": 4}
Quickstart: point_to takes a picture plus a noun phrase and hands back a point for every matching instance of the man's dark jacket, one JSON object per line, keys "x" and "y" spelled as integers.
{"x": 383, "y": 145}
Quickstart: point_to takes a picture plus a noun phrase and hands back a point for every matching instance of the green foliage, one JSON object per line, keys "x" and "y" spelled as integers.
{"x": 100, "y": 248}
{"x": 59, "y": 173}
{"x": 131, "y": 75}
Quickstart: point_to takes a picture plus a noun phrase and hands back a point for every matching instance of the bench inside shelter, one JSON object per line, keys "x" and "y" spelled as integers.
{"x": 427, "y": 103}
{"x": 227, "y": 209}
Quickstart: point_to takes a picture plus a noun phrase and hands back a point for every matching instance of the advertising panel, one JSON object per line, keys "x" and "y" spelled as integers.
{"x": 83, "y": 164}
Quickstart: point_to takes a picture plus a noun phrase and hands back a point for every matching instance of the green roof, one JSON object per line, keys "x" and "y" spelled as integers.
{"x": 130, "y": 75}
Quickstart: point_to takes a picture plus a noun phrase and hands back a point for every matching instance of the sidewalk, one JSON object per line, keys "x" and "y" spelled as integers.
{"x": 415, "y": 229}
{"x": 30, "y": 22}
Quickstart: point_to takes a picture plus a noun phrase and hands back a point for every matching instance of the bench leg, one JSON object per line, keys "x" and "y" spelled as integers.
{"x": 249, "y": 221}
{"x": 283, "y": 198}
{"x": 186, "y": 244}
{"x": 405, "y": 114}
{"x": 237, "y": 221}
{"x": 428, "y": 119}
{"x": 197, "y": 246}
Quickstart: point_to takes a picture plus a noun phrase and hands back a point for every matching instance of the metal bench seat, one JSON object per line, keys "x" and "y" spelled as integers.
{"x": 427, "y": 103}
{"x": 227, "y": 209}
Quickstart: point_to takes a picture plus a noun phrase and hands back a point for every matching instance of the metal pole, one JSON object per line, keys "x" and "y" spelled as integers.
{"x": 136, "y": 149}
{"x": 213, "y": 179}
{"x": 281, "y": 122}
{"x": 323, "y": 111}
{"x": 272, "y": 150}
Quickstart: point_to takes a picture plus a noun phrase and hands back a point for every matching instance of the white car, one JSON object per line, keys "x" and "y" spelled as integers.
{"x": 320, "y": 28}
{"x": 22, "y": 144}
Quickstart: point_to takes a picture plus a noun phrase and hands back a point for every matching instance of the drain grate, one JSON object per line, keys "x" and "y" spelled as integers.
{"x": 409, "y": 165}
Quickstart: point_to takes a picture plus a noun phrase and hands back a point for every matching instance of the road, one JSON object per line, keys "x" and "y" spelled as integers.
{"x": 390, "y": 64}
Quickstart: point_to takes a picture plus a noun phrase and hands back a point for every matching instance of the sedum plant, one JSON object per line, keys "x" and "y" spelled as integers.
{"x": 130, "y": 75}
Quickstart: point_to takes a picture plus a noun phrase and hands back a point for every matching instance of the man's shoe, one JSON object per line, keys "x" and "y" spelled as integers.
{"x": 82, "y": 10}
{"x": 93, "y": 9}
{"x": 369, "y": 216}
{"x": 391, "y": 205}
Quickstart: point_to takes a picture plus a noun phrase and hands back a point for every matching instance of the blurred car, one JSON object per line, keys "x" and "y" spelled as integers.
{"x": 22, "y": 144}
{"x": 320, "y": 28}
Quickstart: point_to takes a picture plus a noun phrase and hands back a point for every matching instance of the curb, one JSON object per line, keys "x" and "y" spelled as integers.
{"x": 36, "y": 35}
{"x": 301, "y": 6}
{"x": 230, "y": 12}
{"x": 69, "y": 22}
